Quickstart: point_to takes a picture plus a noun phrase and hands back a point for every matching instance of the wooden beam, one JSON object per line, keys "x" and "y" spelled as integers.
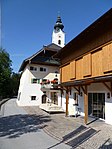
{"x": 111, "y": 88}
{"x": 107, "y": 86}
{"x": 83, "y": 89}
{"x": 77, "y": 89}
{"x": 63, "y": 88}
{"x": 67, "y": 99}
{"x": 86, "y": 105}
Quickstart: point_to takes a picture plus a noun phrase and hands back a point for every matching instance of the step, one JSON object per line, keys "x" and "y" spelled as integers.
{"x": 81, "y": 137}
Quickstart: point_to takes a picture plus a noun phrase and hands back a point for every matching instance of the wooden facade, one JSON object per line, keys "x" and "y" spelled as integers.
{"x": 93, "y": 64}
{"x": 86, "y": 57}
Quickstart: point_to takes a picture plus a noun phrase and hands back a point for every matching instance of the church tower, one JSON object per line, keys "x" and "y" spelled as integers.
{"x": 58, "y": 36}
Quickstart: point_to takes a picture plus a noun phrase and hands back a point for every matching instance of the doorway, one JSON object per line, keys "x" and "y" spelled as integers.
{"x": 54, "y": 98}
{"x": 44, "y": 98}
{"x": 96, "y": 105}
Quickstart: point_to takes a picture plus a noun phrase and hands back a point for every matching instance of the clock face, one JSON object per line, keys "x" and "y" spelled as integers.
{"x": 57, "y": 30}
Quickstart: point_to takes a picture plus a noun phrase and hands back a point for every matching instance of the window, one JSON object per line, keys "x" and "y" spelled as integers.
{"x": 59, "y": 42}
{"x": 96, "y": 104}
{"x": 33, "y": 68}
{"x": 42, "y": 69}
{"x": 33, "y": 97}
{"x": 35, "y": 80}
{"x": 19, "y": 96}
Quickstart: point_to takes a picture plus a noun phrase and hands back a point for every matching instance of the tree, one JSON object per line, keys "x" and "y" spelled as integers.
{"x": 14, "y": 84}
{"x": 5, "y": 73}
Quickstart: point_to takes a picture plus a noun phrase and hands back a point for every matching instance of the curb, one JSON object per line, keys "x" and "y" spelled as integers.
{"x": 52, "y": 135}
{"x": 3, "y": 101}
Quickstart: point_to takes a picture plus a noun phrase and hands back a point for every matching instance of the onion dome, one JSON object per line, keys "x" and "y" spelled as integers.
{"x": 58, "y": 24}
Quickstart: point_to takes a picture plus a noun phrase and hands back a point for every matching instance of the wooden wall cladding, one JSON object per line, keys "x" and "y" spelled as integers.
{"x": 79, "y": 68}
{"x": 65, "y": 73}
{"x": 97, "y": 63}
{"x": 94, "y": 64}
{"x": 107, "y": 58}
{"x": 87, "y": 68}
{"x": 73, "y": 70}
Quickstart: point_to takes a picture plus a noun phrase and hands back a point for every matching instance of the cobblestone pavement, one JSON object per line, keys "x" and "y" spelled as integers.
{"x": 73, "y": 131}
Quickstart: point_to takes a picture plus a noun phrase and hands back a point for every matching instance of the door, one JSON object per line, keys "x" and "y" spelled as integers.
{"x": 54, "y": 98}
{"x": 44, "y": 97}
{"x": 96, "y": 105}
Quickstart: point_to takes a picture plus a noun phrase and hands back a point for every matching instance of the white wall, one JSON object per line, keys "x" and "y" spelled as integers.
{"x": 28, "y": 89}
{"x": 58, "y": 36}
{"x": 93, "y": 88}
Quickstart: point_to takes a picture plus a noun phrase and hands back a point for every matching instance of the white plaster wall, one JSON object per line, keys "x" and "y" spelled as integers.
{"x": 72, "y": 109}
{"x": 93, "y": 88}
{"x": 62, "y": 100}
{"x": 108, "y": 111}
{"x": 58, "y": 36}
{"x": 81, "y": 104}
{"x": 51, "y": 76}
{"x": 29, "y": 89}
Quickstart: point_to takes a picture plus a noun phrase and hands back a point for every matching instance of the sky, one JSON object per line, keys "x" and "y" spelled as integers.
{"x": 27, "y": 25}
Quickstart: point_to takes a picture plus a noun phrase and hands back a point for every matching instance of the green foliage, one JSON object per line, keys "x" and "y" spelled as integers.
{"x": 14, "y": 83}
{"x": 9, "y": 81}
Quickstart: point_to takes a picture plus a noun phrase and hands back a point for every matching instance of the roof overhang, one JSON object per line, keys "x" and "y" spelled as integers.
{"x": 87, "y": 81}
{"x": 53, "y": 48}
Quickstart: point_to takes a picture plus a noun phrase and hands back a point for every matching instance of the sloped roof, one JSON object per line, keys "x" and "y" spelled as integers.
{"x": 100, "y": 25}
{"x": 43, "y": 56}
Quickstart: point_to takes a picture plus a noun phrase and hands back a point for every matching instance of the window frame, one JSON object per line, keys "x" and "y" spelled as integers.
{"x": 33, "y": 98}
{"x": 44, "y": 69}
{"x": 59, "y": 42}
{"x": 35, "y": 81}
{"x": 32, "y": 68}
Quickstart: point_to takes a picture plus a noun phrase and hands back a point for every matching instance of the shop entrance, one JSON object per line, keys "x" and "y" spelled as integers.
{"x": 96, "y": 105}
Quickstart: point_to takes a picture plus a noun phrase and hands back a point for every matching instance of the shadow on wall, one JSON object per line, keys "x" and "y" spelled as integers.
{"x": 16, "y": 125}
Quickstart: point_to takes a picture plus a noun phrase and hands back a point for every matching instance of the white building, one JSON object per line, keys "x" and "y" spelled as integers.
{"x": 40, "y": 72}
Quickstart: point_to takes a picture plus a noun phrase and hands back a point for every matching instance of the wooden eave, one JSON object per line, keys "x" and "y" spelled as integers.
{"x": 50, "y": 50}
{"x": 88, "y": 81}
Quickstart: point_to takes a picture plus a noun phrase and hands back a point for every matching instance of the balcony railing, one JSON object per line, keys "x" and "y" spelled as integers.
{"x": 49, "y": 84}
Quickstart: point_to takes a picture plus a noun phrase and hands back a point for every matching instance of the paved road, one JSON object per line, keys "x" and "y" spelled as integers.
{"x": 19, "y": 130}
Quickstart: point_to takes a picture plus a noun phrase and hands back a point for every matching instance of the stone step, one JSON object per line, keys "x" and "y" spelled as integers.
{"x": 49, "y": 107}
{"x": 81, "y": 137}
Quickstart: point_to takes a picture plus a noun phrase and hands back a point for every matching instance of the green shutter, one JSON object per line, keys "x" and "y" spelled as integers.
{"x": 38, "y": 81}
{"x": 31, "y": 80}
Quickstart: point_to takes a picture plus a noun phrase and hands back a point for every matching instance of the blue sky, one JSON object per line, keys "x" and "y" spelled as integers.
{"x": 27, "y": 25}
